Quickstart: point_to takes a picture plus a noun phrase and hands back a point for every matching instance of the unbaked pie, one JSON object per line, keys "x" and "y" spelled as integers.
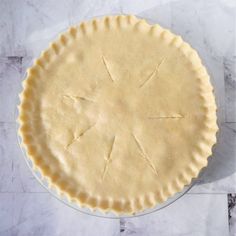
{"x": 118, "y": 115}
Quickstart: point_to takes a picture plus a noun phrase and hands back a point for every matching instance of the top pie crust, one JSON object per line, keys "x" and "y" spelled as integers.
{"x": 118, "y": 114}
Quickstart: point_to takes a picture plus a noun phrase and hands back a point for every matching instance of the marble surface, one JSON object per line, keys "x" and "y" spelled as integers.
{"x": 232, "y": 213}
{"x": 26, "y": 27}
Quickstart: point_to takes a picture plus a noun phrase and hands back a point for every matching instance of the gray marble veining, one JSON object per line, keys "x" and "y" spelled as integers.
{"x": 232, "y": 213}
{"x": 10, "y": 76}
{"x": 46, "y": 216}
{"x": 190, "y": 215}
{"x": 14, "y": 173}
{"x": 230, "y": 87}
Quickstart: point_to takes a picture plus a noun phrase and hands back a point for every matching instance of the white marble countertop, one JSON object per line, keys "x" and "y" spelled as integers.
{"x": 209, "y": 209}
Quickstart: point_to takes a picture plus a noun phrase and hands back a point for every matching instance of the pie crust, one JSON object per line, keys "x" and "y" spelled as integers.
{"x": 118, "y": 115}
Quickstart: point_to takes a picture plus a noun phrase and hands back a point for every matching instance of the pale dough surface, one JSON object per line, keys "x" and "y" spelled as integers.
{"x": 118, "y": 114}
